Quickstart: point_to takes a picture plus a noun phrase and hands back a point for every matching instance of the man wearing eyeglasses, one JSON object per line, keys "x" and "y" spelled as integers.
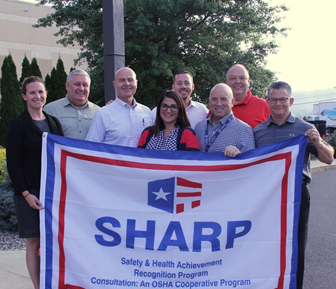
{"x": 222, "y": 131}
{"x": 121, "y": 122}
{"x": 282, "y": 125}
{"x": 249, "y": 108}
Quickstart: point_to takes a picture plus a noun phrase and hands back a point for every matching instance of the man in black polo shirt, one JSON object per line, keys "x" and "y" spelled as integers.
{"x": 282, "y": 125}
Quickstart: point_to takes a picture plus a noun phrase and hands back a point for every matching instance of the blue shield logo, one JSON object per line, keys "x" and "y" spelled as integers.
{"x": 174, "y": 195}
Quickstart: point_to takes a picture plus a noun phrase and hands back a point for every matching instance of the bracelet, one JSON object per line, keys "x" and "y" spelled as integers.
{"x": 26, "y": 195}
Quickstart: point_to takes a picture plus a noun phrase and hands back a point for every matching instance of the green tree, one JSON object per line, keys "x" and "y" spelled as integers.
{"x": 49, "y": 87}
{"x": 35, "y": 69}
{"x": 162, "y": 36}
{"x": 59, "y": 80}
{"x": 25, "y": 72}
{"x": 55, "y": 83}
{"x": 11, "y": 104}
{"x": 25, "y": 69}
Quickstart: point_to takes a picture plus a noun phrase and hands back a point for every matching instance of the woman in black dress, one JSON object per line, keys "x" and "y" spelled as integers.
{"x": 23, "y": 149}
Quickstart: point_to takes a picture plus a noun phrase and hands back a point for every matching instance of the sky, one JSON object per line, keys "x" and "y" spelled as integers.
{"x": 306, "y": 57}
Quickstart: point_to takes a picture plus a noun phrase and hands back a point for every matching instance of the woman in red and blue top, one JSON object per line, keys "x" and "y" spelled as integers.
{"x": 171, "y": 130}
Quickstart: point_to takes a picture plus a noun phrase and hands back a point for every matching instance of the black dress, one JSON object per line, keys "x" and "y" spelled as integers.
{"x": 23, "y": 150}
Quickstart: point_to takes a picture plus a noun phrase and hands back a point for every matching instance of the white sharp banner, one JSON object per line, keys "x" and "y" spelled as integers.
{"x": 118, "y": 217}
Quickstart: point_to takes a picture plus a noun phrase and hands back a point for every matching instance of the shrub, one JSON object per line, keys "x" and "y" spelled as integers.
{"x": 8, "y": 219}
{"x": 2, "y": 165}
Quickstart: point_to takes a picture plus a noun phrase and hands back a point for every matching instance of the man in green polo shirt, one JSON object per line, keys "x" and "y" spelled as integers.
{"x": 75, "y": 112}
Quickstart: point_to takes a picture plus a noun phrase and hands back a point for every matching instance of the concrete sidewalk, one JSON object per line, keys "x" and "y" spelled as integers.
{"x": 13, "y": 270}
{"x": 317, "y": 166}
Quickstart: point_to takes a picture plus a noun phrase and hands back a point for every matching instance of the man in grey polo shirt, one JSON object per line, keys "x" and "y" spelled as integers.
{"x": 75, "y": 112}
{"x": 282, "y": 125}
{"x": 222, "y": 131}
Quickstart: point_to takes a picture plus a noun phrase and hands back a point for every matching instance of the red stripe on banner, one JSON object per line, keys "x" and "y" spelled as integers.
{"x": 179, "y": 208}
{"x": 195, "y": 204}
{"x": 186, "y": 195}
{"x": 61, "y": 219}
{"x": 68, "y": 286}
{"x": 187, "y": 183}
{"x": 283, "y": 229}
{"x": 61, "y": 280}
{"x": 174, "y": 167}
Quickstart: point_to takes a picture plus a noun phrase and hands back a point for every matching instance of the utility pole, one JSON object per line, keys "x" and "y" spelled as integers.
{"x": 114, "y": 43}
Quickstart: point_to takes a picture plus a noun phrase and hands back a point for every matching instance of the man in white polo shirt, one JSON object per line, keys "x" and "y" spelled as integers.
{"x": 183, "y": 83}
{"x": 121, "y": 122}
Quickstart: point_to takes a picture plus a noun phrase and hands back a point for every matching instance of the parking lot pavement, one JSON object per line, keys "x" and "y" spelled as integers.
{"x": 317, "y": 166}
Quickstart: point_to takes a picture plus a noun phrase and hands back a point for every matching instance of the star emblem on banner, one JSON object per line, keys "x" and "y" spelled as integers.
{"x": 161, "y": 195}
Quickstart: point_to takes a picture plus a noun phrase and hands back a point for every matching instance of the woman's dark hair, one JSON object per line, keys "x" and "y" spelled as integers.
{"x": 182, "y": 118}
{"x": 31, "y": 79}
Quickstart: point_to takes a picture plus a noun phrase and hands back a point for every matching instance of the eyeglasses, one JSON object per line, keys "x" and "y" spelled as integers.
{"x": 282, "y": 100}
{"x": 173, "y": 107}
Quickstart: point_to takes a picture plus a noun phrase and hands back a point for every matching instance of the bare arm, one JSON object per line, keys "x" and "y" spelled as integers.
{"x": 32, "y": 200}
{"x": 324, "y": 150}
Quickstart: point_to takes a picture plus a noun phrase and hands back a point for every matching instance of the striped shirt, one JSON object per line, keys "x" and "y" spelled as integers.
{"x": 236, "y": 133}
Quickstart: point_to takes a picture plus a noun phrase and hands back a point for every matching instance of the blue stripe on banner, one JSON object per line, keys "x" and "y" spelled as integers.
{"x": 50, "y": 182}
{"x": 183, "y": 155}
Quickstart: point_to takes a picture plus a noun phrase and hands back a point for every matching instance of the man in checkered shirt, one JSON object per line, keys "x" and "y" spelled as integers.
{"x": 222, "y": 131}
